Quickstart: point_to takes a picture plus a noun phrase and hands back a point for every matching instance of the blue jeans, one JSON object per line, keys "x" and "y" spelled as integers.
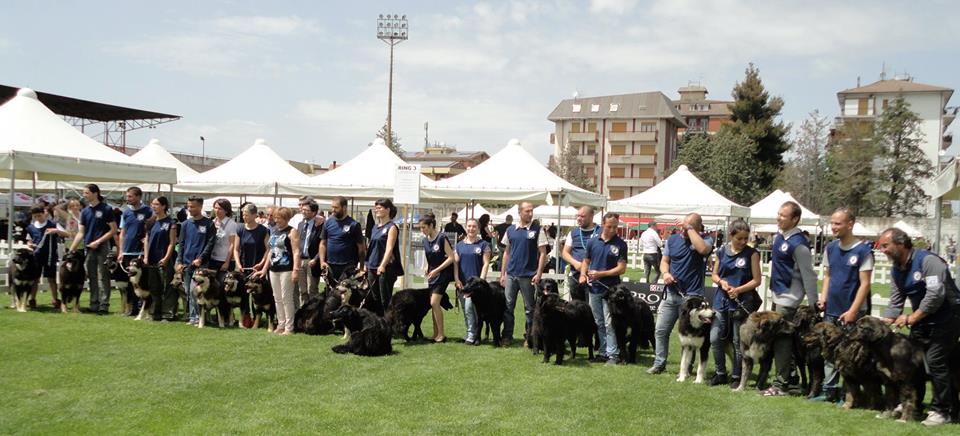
{"x": 601, "y": 315}
{"x": 523, "y": 285}
{"x": 469, "y": 318}
{"x": 191, "y": 297}
{"x": 720, "y": 336}
{"x": 667, "y": 315}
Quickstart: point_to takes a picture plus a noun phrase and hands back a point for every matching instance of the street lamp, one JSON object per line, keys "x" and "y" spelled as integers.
{"x": 203, "y": 151}
{"x": 391, "y": 29}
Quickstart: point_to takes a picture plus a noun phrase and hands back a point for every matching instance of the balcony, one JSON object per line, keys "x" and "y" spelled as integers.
{"x": 643, "y": 159}
{"x": 583, "y": 136}
{"x": 588, "y": 159}
{"x": 635, "y": 182}
{"x": 632, "y": 136}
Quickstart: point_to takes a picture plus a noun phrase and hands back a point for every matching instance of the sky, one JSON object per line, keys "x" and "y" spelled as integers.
{"x": 311, "y": 77}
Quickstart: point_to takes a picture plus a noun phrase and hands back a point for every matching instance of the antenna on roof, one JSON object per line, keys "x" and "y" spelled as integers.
{"x": 576, "y": 95}
{"x": 883, "y": 71}
{"x": 858, "y": 81}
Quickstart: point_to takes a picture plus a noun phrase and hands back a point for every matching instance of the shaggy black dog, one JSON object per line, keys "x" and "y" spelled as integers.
{"x": 695, "y": 319}
{"x": 854, "y": 362}
{"x": 899, "y": 362}
{"x": 25, "y": 272}
{"x": 73, "y": 274}
{"x": 261, "y": 298}
{"x": 757, "y": 335}
{"x": 544, "y": 287}
{"x": 561, "y": 323}
{"x": 233, "y": 290}
{"x": 209, "y": 292}
{"x": 490, "y": 303}
{"x": 138, "y": 278}
{"x": 370, "y": 334}
{"x": 808, "y": 359}
{"x": 548, "y": 286}
{"x": 632, "y": 322}
{"x": 308, "y": 317}
{"x": 354, "y": 291}
{"x": 121, "y": 279}
{"x": 579, "y": 292}
{"x": 408, "y": 307}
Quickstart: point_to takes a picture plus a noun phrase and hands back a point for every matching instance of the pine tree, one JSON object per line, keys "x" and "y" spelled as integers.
{"x": 724, "y": 162}
{"x": 851, "y": 179}
{"x": 569, "y": 167}
{"x": 804, "y": 173}
{"x": 754, "y": 114}
{"x": 394, "y": 144}
{"x": 904, "y": 167}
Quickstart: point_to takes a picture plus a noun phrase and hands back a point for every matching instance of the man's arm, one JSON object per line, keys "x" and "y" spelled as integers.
{"x": 804, "y": 262}
{"x": 934, "y": 273}
{"x": 208, "y": 243}
{"x": 698, "y": 243}
{"x": 567, "y": 253}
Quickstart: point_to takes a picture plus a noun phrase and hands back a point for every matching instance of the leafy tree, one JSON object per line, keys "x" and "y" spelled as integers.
{"x": 724, "y": 162}
{"x": 904, "y": 168}
{"x": 568, "y": 166}
{"x": 850, "y": 178}
{"x": 754, "y": 114}
{"x": 394, "y": 143}
{"x": 804, "y": 174}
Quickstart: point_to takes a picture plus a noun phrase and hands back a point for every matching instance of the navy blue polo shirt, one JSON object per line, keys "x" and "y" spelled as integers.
{"x": 686, "y": 264}
{"x": 132, "y": 221}
{"x": 471, "y": 258}
{"x": 736, "y": 269}
{"x": 342, "y": 237}
{"x": 96, "y": 221}
{"x": 158, "y": 239}
{"x": 603, "y": 256}
{"x": 524, "y": 250}
{"x": 42, "y": 251}
{"x": 436, "y": 254}
{"x": 378, "y": 249}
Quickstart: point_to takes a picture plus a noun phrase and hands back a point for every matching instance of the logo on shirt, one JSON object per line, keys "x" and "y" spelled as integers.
{"x": 477, "y": 250}
{"x": 917, "y": 276}
{"x": 531, "y": 234}
{"x": 202, "y": 230}
{"x": 346, "y": 228}
{"x": 436, "y": 247}
{"x": 740, "y": 263}
{"x": 140, "y": 217}
{"x": 98, "y": 214}
{"x": 784, "y": 247}
{"x": 614, "y": 250}
{"x": 165, "y": 226}
{"x": 854, "y": 259}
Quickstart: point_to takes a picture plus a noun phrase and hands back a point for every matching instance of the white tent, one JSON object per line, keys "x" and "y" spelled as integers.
{"x": 547, "y": 214}
{"x": 257, "y": 171}
{"x": 475, "y": 212}
{"x": 862, "y": 230}
{"x": 679, "y": 194}
{"x": 34, "y": 140}
{"x": 908, "y": 229}
{"x": 155, "y": 154}
{"x": 512, "y": 174}
{"x": 371, "y": 174}
{"x": 766, "y": 210}
{"x": 772, "y": 228}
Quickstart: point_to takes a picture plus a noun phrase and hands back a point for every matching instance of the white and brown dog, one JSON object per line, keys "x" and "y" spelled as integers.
{"x": 73, "y": 274}
{"x": 208, "y": 291}
{"x": 138, "y": 277}
{"x": 25, "y": 272}
{"x": 696, "y": 317}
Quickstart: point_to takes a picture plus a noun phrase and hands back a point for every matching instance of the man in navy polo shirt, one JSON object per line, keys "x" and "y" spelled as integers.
{"x": 525, "y": 252}
{"x": 791, "y": 278}
{"x": 97, "y": 228}
{"x": 133, "y": 228}
{"x": 604, "y": 261}
{"x": 848, "y": 265}
{"x": 197, "y": 241}
{"x": 341, "y": 242}
{"x": 575, "y": 246}
{"x": 683, "y": 266}
{"x": 924, "y": 278}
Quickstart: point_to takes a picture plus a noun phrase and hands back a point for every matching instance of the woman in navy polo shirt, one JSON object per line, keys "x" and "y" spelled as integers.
{"x": 472, "y": 257}
{"x": 383, "y": 254}
{"x": 439, "y": 272}
{"x": 160, "y": 259}
{"x": 736, "y": 271}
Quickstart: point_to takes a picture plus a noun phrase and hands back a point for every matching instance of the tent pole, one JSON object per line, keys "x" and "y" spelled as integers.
{"x": 556, "y": 241}
{"x": 938, "y": 215}
{"x": 13, "y": 179}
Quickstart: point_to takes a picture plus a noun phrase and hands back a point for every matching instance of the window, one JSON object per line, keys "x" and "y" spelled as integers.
{"x": 576, "y": 108}
{"x": 591, "y": 127}
{"x": 648, "y": 149}
{"x": 647, "y": 172}
{"x": 618, "y": 150}
{"x": 616, "y": 172}
{"x": 614, "y": 107}
{"x": 862, "y": 106}
{"x": 648, "y": 127}
{"x": 591, "y": 172}
{"x": 575, "y": 127}
{"x": 885, "y": 103}
{"x": 616, "y": 194}
{"x": 594, "y": 108}
{"x": 619, "y": 126}
{"x": 591, "y": 149}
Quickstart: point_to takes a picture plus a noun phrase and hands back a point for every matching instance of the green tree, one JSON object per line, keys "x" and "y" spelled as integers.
{"x": 568, "y": 166}
{"x": 754, "y": 114}
{"x": 804, "y": 173}
{"x": 394, "y": 144}
{"x": 724, "y": 162}
{"x": 850, "y": 178}
{"x": 904, "y": 168}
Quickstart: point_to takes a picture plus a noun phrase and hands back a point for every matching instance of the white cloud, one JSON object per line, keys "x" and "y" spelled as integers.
{"x": 261, "y": 25}
{"x": 611, "y": 6}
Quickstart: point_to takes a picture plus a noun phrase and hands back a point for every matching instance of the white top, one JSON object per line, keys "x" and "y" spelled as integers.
{"x": 650, "y": 241}
{"x": 221, "y": 248}
{"x": 296, "y": 220}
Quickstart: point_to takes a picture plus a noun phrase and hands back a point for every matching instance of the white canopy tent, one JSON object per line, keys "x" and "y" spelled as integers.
{"x": 257, "y": 171}
{"x": 680, "y": 194}
{"x": 152, "y": 154}
{"x": 371, "y": 175}
{"x": 908, "y": 229}
{"x": 476, "y": 211}
{"x": 765, "y": 211}
{"x": 545, "y": 213}
{"x": 772, "y": 228}
{"x": 862, "y": 230}
{"x": 511, "y": 175}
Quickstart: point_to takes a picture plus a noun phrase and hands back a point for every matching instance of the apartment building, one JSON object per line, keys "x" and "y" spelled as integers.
{"x": 700, "y": 114}
{"x": 440, "y": 161}
{"x": 625, "y": 142}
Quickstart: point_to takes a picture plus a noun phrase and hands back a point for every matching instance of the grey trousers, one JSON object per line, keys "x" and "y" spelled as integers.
{"x": 99, "y": 276}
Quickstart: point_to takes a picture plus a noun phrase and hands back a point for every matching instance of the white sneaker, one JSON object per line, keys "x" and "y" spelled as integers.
{"x": 935, "y": 418}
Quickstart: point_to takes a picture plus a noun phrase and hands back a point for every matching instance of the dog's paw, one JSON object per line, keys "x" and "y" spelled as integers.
{"x": 681, "y": 379}
{"x": 698, "y": 381}
{"x": 340, "y": 349}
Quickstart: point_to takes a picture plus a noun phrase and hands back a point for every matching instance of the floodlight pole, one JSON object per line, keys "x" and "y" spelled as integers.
{"x": 392, "y": 30}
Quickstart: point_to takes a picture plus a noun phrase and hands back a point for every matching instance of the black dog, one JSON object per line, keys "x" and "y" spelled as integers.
{"x": 408, "y": 307}
{"x": 899, "y": 362}
{"x": 490, "y": 303}
{"x": 138, "y": 278}
{"x": 561, "y": 323}
{"x": 209, "y": 292}
{"x": 73, "y": 274}
{"x": 808, "y": 358}
{"x": 535, "y": 336}
{"x": 233, "y": 290}
{"x": 548, "y": 286}
{"x": 370, "y": 334}
{"x": 579, "y": 292}
{"x": 121, "y": 280}
{"x": 261, "y": 296}
{"x": 25, "y": 273}
{"x": 632, "y": 322}
{"x": 757, "y": 335}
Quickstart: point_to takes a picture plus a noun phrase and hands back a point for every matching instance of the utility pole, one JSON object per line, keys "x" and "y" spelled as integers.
{"x": 391, "y": 29}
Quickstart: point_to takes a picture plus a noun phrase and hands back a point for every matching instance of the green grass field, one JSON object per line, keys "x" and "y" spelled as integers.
{"x": 83, "y": 374}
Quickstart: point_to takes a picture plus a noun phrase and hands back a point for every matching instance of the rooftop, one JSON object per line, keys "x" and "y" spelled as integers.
{"x": 652, "y": 105}
{"x": 895, "y": 85}
{"x": 75, "y": 107}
